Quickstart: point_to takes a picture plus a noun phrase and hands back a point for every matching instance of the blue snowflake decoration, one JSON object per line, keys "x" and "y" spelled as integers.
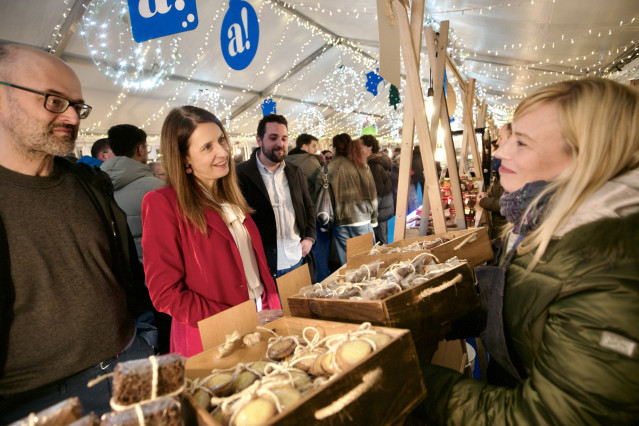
{"x": 268, "y": 107}
{"x": 372, "y": 82}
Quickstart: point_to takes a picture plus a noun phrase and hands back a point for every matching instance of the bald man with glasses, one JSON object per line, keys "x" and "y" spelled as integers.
{"x": 71, "y": 287}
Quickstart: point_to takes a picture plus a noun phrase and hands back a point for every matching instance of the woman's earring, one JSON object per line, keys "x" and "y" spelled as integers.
{"x": 188, "y": 169}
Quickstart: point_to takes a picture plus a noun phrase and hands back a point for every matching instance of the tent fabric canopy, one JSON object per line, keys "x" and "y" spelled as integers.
{"x": 313, "y": 57}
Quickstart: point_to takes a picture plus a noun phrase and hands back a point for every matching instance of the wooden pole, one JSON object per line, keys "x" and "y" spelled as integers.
{"x": 417, "y": 102}
{"x": 453, "y": 171}
{"x": 481, "y": 114}
{"x": 408, "y": 130}
{"x": 469, "y": 128}
{"x": 468, "y": 110}
{"x": 436, "y": 44}
{"x": 431, "y": 43}
{"x": 481, "y": 123}
{"x": 463, "y": 154}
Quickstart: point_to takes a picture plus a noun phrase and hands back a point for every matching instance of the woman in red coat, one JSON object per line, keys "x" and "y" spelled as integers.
{"x": 202, "y": 251}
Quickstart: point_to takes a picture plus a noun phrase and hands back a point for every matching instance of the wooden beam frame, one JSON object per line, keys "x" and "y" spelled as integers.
{"x": 408, "y": 135}
{"x": 469, "y": 137}
{"x": 436, "y": 44}
{"x": 415, "y": 109}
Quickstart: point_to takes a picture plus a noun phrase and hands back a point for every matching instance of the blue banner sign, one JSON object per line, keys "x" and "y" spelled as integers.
{"x": 240, "y": 34}
{"x": 269, "y": 107}
{"x": 158, "y": 18}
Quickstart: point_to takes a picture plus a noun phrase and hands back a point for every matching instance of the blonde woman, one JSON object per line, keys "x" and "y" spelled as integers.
{"x": 563, "y": 309}
{"x": 202, "y": 251}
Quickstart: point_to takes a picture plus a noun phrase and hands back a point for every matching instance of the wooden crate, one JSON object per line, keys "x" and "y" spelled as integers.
{"x": 423, "y": 316}
{"x": 472, "y": 245}
{"x": 389, "y": 380}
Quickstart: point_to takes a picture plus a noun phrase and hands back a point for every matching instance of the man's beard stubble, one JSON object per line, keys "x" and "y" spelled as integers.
{"x": 32, "y": 138}
{"x": 274, "y": 157}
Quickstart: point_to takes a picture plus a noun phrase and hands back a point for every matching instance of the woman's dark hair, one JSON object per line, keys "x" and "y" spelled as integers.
{"x": 352, "y": 149}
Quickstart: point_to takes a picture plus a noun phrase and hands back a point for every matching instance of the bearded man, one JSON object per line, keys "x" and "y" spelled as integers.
{"x": 276, "y": 189}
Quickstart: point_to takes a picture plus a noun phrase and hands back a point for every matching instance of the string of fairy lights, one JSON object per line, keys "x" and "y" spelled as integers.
{"x": 591, "y": 63}
{"x": 56, "y": 36}
{"x": 356, "y": 82}
{"x": 342, "y": 88}
{"x": 109, "y": 38}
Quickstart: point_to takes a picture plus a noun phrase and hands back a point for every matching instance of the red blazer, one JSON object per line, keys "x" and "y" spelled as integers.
{"x": 191, "y": 276}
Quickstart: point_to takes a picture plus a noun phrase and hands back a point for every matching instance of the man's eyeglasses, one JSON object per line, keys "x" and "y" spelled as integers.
{"x": 55, "y": 103}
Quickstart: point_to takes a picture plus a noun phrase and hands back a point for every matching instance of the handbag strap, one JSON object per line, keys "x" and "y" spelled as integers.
{"x": 325, "y": 183}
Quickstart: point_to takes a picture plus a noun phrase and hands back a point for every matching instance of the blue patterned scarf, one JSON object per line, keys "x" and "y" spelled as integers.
{"x": 514, "y": 204}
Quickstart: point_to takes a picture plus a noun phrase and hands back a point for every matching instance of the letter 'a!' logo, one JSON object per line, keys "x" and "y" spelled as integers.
{"x": 159, "y": 18}
{"x": 240, "y": 34}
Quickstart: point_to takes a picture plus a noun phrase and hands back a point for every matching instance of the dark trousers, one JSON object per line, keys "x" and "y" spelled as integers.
{"x": 321, "y": 249}
{"x": 17, "y": 406}
{"x": 381, "y": 232}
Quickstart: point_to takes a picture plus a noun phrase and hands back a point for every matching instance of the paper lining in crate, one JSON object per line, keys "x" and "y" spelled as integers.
{"x": 381, "y": 388}
{"x": 472, "y": 245}
{"x": 422, "y": 308}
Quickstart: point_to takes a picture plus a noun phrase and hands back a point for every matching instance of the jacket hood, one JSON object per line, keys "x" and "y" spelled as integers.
{"x": 296, "y": 151}
{"x": 124, "y": 170}
{"x": 381, "y": 160}
{"x": 618, "y": 197}
{"x": 87, "y": 159}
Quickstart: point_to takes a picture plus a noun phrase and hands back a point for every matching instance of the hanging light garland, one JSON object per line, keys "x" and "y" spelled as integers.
{"x": 309, "y": 120}
{"x": 343, "y": 89}
{"x": 395, "y": 122}
{"x": 574, "y": 67}
{"x": 211, "y": 101}
{"x": 106, "y": 28}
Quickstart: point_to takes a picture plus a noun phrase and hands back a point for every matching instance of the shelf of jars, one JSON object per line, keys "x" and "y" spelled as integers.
{"x": 470, "y": 189}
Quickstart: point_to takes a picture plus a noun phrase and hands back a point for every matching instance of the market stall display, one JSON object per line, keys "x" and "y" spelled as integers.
{"x": 165, "y": 411}
{"x": 143, "y": 380}
{"x": 471, "y": 245}
{"x": 297, "y": 371}
{"x": 423, "y": 308}
{"x": 469, "y": 191}
{"x": 368, "y": 282}
{"x": 61, "y": 414}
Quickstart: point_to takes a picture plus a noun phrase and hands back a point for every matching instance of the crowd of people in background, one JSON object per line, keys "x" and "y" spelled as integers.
{"x": 143, "y": 251}
{"x": 370, "y": 170}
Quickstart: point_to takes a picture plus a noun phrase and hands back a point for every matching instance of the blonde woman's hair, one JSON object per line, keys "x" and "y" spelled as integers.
{"x": 599, "y": 121}
{"x": 178, "y": 127}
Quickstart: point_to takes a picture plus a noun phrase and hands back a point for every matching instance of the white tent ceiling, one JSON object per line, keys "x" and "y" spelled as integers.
{"x": 510, "y": 47}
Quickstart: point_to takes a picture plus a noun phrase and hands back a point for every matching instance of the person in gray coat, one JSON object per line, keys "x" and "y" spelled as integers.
{"x": 303, "y": 156}
{"x": 131, "y": 176}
